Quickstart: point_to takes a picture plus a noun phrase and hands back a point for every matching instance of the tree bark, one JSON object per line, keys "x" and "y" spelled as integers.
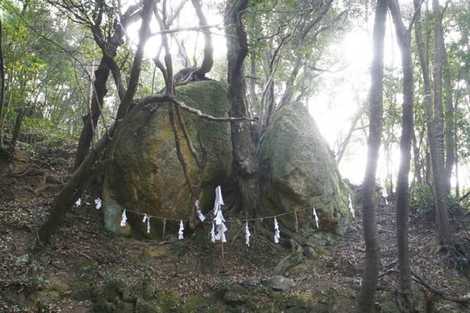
{"x": 244, "y": 149}
{"x": 134, "y": 76}
{"x": 74, "y": 187}
{"x": 70, "y": 193}
{"x": 2, "y": 86}
{"x": 342, "y": 147}
{"x": 208, "y": 60}
{"x": 107, "y": 65}
{"x": 20, "y": 113}
{"x": 437, "y": 143}
{"x": 370, "y": 276}
{"x": 402, "y": 203}
{"x": 90, "y": 121}
{"x": 435, "y": 136}
{"x": 416, "y": 160}
{"x": 449, "y": 118}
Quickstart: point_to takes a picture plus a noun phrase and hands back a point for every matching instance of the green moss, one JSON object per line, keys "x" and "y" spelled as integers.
{"x": 298, "y": 171}
{"x": 169, "y": 302}
{"x": 143, "y": 172}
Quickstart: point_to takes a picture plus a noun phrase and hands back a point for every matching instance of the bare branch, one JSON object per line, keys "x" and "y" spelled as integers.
{"x": 185, "y": 29}
{"x": 208, "y": 60}
{"x": 136, "y": 66}
{"x": 159, "y": 99}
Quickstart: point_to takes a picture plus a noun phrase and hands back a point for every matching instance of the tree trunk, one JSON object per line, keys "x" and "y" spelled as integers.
{"x": 449, "y": 118}
{"x": 2, "y": 86}
{"x": 456, "y": 154}
{"x": 74, "y": 187}
{"x": 368, "y": 289}
{"x": 134, "y": 76}
{"x": 244, "y": 149}
{"x": 435, "y": 136}
{"x": 70, "y": 193}
{"x": 90, "y": 121}
{"x": 402, "y": 203}
{"x": 416, "y": 160}
{"x": 208, "y": 60}
{"x": 20, "y": 113}
{"x": 439, "y": 171}
{"x": 342, "y": 147}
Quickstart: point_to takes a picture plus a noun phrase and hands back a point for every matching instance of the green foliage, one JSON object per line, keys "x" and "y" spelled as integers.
{"x": 281, "y": 35}
{"x": 40, "y": 72}
{"x": 421, "y": 201}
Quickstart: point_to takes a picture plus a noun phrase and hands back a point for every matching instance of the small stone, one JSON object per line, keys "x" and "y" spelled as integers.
{"x": 250, "y": 283}
{"x": 22, "y": 260}
{"x": 309, "y": 252}
{"x": 279, "y": 283}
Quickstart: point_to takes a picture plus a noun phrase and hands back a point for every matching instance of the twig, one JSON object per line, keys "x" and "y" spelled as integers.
{"x": 182, "y": 105}
{"x": 184, "y": 29}
{"x": 465, "y": 300}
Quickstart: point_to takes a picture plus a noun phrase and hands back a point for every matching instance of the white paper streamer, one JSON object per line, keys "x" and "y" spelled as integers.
{"x": 180, "y": 231}
{"x": 124, "y": 218}
{"x": 277, "y": 233}
{"x": 98, "y": 203}
{"x": 385, "y": 195}
{"x": 351, "y": 209}
{"x": 220, "y": 227}
{"x": 219, "y": 218}
{"x": 146, "y": 221}
{"x": 200, "y": 216}
{"x": 219, "y": 201}
{"x": 78, "y": 202}
{"x": 213, "y": 233}
{"x": 315, "y": 216}
{"x": 247, "y": 234}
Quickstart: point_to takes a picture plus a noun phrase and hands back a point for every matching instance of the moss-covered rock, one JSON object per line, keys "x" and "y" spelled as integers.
{"x": 299, "y": 172}
{"x": 143, "y": 172}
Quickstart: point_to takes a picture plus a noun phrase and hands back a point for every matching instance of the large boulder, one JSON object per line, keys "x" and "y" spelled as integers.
{"x": 143, "y": 172}
{"x": 298, "y": 172}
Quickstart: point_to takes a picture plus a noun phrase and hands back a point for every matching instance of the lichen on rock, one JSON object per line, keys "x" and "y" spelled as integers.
{"x": 298, "y": 172}
{"x": 143, "y": 172}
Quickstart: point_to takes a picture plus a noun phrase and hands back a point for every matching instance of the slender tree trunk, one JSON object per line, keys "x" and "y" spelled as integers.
{"x": 449, "y": 118}
{"x": 368, "y": 289}
{"x": 439, "y": 171}
{"x": 252, "y": 85}
{"x": 90, "y": 121}
{"x": 208, "y": 59}
{"x": 402, "y": 204}
{"x": 20, "y": 113}
{"x": 2, "y": 86}
{"x": 244, "y": 149}
{"x": 456, "y": 154}
{"x": 352, "y": 128}
{"x": 435, "y": 137}
{"x": 416, "y": 160}
{"x": 74, "y": 187}
{"x": 428, "y": 167}
{"x": 70, "y": 193}
{"x": 134, "y": 76}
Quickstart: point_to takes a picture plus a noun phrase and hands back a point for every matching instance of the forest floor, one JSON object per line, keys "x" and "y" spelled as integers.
{"x": 83, "y": 257}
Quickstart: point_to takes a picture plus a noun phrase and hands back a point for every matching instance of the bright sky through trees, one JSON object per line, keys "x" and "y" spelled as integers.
{"x": 342, "y": 89}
